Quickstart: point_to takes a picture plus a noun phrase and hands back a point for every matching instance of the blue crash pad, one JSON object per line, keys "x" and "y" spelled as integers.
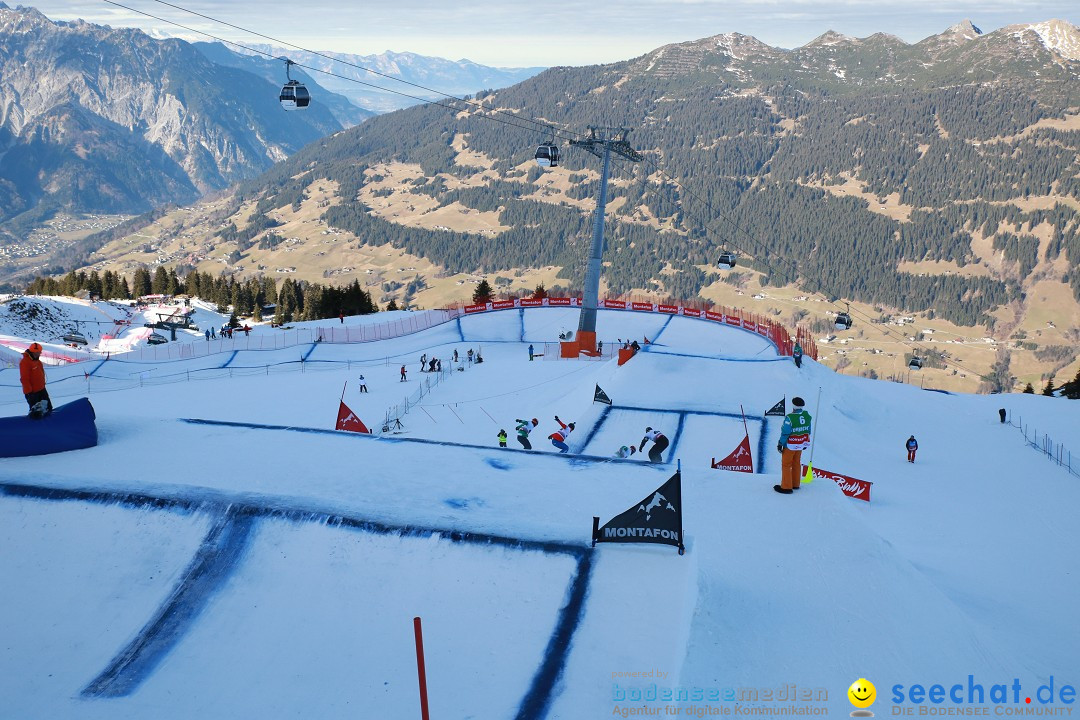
{"x": 68, "y": 427}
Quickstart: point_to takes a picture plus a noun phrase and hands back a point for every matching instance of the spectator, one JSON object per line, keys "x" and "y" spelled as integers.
{"x": 912, "y": 445}
{"x": 32, "y": 376}
{"x": 363, "y": 384}
{"x": 403, "y": 378}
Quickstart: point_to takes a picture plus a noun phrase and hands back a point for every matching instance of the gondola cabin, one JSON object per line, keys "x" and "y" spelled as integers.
{"x": 75, "y": 338}
{"x": 726, "y": 261}
{"x": 547, "y": 155}
{"x": 915, "y": 363}
{"x": 294, "y": 96}
{"x": 843, "y": 321}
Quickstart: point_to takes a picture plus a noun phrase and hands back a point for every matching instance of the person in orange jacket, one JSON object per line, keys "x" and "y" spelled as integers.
{"x": 32, "y": 375}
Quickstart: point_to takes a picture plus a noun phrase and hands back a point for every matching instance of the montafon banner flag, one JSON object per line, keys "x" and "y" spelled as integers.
{"x": 740, "y": 459}
{"x": 347, "y": 420}
{"x": 778, "y": 408}
{"x": 601, "y": 397}
{"x": 656, "y": 519}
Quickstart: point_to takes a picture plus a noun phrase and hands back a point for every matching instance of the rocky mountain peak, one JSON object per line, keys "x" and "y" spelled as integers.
{"x": 829, "y": 38}
{"x": 1058, "y": 36}
{"x": 962, "y": 31}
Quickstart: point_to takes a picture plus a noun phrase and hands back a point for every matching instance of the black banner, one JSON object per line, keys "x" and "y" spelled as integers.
{"x": 656, "y": 519}
{"x": 778, "y": 408}
{"x": 601, "y": 396}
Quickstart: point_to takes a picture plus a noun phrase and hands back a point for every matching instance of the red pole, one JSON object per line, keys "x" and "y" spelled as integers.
{"x": 420, "y": 668}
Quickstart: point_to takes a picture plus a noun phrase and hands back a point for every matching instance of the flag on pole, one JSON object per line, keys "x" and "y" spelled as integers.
{"x": 601, "y": 397}
{"x": 778, "y": 408}
{"x": 740, "y": 459}
{"x": 347, "y": 420}
{"x": 656, "y": 519}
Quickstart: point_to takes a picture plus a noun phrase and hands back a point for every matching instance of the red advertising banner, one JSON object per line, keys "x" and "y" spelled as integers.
{"x": 532, "y": 302}
{"x": 733, "y": 320}
{"x": 347, "y": 420}
{"x": 502, "y": 304}
{"x": 615, "y": 304}
{"x": 740, "y": 459}
{"x": 671, "y": 309}
{"x": 559, "y": 301}
{"x": 747, "y": 324}
{"x": 691, "y": 312}
{"x": 475, "y": 308}
{"x": 641, "y": 306}
{"x": 710, "y": 315}
{"x": 852, "y": 487}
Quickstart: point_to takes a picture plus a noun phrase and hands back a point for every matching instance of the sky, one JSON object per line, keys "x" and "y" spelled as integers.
{"x": 512, "y": 33}
{"x": 231, "y": 555}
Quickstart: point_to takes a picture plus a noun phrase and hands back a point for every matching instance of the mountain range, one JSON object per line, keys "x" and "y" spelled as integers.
{"x": 95, "y": 119}
{"x": 405, "y": 78}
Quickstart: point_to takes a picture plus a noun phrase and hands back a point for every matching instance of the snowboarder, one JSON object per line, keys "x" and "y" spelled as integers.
{"x": 32, "y": 375}
{"x": 469, "y": 355}
{"x": 625, "y": 452}
{"x": 403, "y": 373}
{"x": 363, "y": 384}
{"x": 530, "y": 353}
{"x": 524, "y": 427}
{"x": 794, "y": 438}
{"x": 558, "y": 438}
{"x": 660, "y": 443}
{"x": 796, "y": 354}
{"x": 479, "y": 359}
{"x": 912, "y": 445}
{"x": 502, "y": 438}
{"x": 635, "y": 346}
{"x": 1001, "y": 414}
{"x": 431, "y": 365}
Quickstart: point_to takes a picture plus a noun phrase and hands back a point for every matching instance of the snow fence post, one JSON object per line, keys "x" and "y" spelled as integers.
{"x": 421, "y": 673}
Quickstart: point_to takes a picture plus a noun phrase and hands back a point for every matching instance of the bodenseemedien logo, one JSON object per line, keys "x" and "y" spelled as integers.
{"x": 862, "y": 695}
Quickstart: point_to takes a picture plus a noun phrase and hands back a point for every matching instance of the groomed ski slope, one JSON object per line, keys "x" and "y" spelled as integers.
{"x": 256, "y": 563}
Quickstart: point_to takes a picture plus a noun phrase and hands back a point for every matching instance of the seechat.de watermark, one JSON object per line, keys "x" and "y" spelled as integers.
{"x": 973, "y": 697}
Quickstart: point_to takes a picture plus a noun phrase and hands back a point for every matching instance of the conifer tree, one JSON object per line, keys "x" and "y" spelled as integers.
{"x": 482, "y": 293}
{"x": 1029, "y": 390}
{"x": 1049, "y": 389}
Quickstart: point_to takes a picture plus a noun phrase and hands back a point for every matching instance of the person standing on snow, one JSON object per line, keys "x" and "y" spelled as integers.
{"x": 524, "y": 427}
{"x": 796, "y": 354}
{"x": 403, "y": 373}
{"x": 794, "y": 438}
{"x": 363, "y": 384}
{"x": 32, "y": 376}
{"x": 912, "y": 445}
{"x": 558, "y": 438}
{"x": 502, "y": 438}
{"x": 530, "y": 353}
{"x": 660, "y": 443}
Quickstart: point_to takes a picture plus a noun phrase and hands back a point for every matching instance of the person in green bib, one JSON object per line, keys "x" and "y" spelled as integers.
{"x": 794, "y": 438}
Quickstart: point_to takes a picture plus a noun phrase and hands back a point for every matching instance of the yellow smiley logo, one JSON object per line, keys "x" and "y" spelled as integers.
{"x": 862, "y": 693}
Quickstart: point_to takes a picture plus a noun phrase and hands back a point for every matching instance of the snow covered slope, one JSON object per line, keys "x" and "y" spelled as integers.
{"x": 223, "y": 552}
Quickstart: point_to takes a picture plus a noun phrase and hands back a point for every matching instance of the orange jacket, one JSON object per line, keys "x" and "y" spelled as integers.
{"x": 32, "y": 374}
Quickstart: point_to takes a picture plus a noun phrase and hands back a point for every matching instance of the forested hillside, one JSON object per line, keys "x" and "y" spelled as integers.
{"x": 743, "y": 146}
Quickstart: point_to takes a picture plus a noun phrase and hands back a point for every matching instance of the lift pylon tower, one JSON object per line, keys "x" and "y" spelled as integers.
{"x": 601, "y": 143}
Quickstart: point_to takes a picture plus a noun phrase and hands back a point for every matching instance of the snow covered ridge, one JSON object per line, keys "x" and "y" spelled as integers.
{"x": 1058, "y": 36}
